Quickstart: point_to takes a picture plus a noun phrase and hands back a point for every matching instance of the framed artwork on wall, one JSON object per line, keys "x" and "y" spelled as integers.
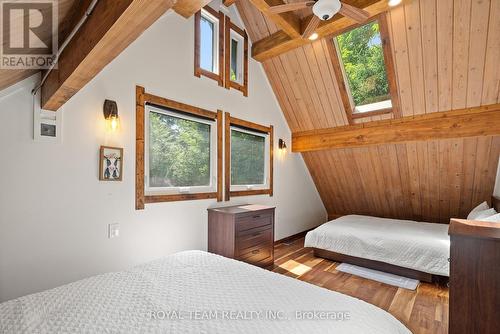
{"x": 110, "y": 163}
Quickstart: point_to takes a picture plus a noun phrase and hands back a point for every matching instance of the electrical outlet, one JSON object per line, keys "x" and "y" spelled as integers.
{"x": 113, "y": 231}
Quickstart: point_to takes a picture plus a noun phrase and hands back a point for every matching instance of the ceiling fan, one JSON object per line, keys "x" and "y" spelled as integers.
{"x": 323, "y": 10}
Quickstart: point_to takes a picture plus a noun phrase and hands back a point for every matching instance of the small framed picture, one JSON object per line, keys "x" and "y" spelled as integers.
{"x": 110, "y": 163}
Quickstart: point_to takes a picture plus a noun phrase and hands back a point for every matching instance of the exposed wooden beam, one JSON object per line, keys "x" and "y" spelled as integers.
{"x": 279, "y": 42}
{"x": 228, "y": 3}
{"x": 188, "y": 8}
{"x": 289, "y": 22}
{"x": 470, "y": 122}
{"x": 111, "y": 27}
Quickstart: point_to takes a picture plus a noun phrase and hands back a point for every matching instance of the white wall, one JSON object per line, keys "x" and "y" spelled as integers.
{"x": 53, "y": 210}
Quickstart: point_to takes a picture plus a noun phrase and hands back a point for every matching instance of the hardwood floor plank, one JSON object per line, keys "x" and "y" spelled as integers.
{"x": 424, "y": 310}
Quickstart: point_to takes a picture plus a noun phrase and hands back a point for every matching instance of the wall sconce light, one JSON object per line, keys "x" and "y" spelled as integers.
{"x": 110, "y": 111}
{"x": 281, "y": 144}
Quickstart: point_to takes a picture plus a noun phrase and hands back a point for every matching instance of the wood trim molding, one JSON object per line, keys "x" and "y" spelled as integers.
{"x": 233, "y": 121}
{"x": 186, "y": 108}
{"x": 341, "y": 77}
{"x": 281, "y": 42}
{"x": 220, "y": 171}
{"x": 390, "y": 68}
{"x": 139, "y": 147}
{"x": 469, "y": 122}
{"x": 295, "y": 236}
{"x": 141, "y": 99}
{"x": 228, "y": 83}
{"x": 110, "y": 28}
{"x": 227, "y": 156}
{"x": 198, "y": 71}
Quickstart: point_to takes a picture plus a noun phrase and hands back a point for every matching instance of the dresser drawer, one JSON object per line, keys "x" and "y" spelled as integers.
{"x": 253, "y": 221}
{"x": 243, "y": 232}
{"x": 253, "y": 237}
{"x": 256, "y": 254}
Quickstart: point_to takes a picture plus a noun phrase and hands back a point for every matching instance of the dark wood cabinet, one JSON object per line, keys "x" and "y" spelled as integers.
{"x": 474, "y": 277}
{"x": 243, "y": 232}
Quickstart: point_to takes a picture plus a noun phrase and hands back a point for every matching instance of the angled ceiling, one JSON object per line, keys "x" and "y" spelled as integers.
{"x": 446, "y": 57}
{"x": 66, "y": 11}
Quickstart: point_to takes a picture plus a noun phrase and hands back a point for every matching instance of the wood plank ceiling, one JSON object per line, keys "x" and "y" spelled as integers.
{"x": 66, "y": 10}
{"x": 446, "y": 56}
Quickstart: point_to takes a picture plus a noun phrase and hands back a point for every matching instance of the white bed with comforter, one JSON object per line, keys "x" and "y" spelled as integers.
{"x": 192, "y": 292}
{"x": 420, "y": 246}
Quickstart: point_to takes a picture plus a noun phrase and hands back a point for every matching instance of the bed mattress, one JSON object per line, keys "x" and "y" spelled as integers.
{"x": 410, "y": 244}
{"x": 193, "y": 292}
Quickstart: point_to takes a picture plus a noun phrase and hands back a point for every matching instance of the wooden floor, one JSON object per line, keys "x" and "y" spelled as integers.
{"x": 422, "y": 311}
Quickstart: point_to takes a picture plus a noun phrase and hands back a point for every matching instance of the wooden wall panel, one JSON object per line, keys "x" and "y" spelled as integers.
{"x": 446, "y": 56}
{"x": 428, "y": 181}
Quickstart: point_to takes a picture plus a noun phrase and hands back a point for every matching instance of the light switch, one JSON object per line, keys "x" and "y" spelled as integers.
{"x": 113, "y": 231}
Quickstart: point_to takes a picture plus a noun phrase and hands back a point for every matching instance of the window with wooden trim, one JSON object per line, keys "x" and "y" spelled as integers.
{"x": 178, "y": 151}
{"x": 248, "y": 158}
{"x": 236, "y": 71}
{"x": 364, "y": 69}
{"x": 209, "y": 44}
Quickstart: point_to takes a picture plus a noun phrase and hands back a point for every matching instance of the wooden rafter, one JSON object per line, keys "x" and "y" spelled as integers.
{"x": 289, "y": 22}
{"x": 188, "y": 8}
{"x": 470, "y": 122}
{"x": 281, "y": 42}
{"x": 111, "y": 27}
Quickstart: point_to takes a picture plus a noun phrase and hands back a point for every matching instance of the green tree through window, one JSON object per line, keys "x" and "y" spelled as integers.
{"x": 247, "y": 158}
{"x": 179, "y": 152}
{"x": 362, "y": 56}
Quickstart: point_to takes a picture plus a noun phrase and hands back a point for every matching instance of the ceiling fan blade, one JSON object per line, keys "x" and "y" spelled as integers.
{"x": 288, "y": 7}
{"x": 358, "y": 15}
{"x": 311, "y": 26}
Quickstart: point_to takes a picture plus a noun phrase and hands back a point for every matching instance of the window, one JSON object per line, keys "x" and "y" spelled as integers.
{"x": 236, "y": 58}
{"x": 178, "y": 151}
{"x": 181, "y": 152}
{"x": 209, "y": 44}
{"x": 249, "y": 158}
{"x": 364, "y": 68}
{"x": 236, "y": 66}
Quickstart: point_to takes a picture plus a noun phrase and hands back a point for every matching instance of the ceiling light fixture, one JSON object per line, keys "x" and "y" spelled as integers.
{"x": 314, "y": 36}
{"x": 394, "y": 3}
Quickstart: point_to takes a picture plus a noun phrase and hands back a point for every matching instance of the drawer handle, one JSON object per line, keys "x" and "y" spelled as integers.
{"x": 255, "y": 217}
{"x": 256, "y": 234}
{"x": 256, "y": 251}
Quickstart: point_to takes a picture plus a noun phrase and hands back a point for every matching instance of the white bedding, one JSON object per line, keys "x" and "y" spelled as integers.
{"x": 137, "y": 301}
{"x": 415, "y": 245}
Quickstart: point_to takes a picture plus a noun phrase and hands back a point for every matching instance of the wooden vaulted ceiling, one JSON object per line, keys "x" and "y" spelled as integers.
{"x": 446, "y": 57}
{"x": 66, "y": 10}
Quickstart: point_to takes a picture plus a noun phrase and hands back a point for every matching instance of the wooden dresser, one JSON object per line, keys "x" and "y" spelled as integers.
{"x": 474, "y": 277}
{"x": 243, "y": 232}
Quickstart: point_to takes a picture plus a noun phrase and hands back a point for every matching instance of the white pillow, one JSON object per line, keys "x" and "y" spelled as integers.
{"x": 493, "y": 219}
{"x": 481, "y": 207}
{"x": 480, "y": 215}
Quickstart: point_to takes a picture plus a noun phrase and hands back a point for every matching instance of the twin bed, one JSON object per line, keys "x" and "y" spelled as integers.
{"x": 403, "y": 247}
